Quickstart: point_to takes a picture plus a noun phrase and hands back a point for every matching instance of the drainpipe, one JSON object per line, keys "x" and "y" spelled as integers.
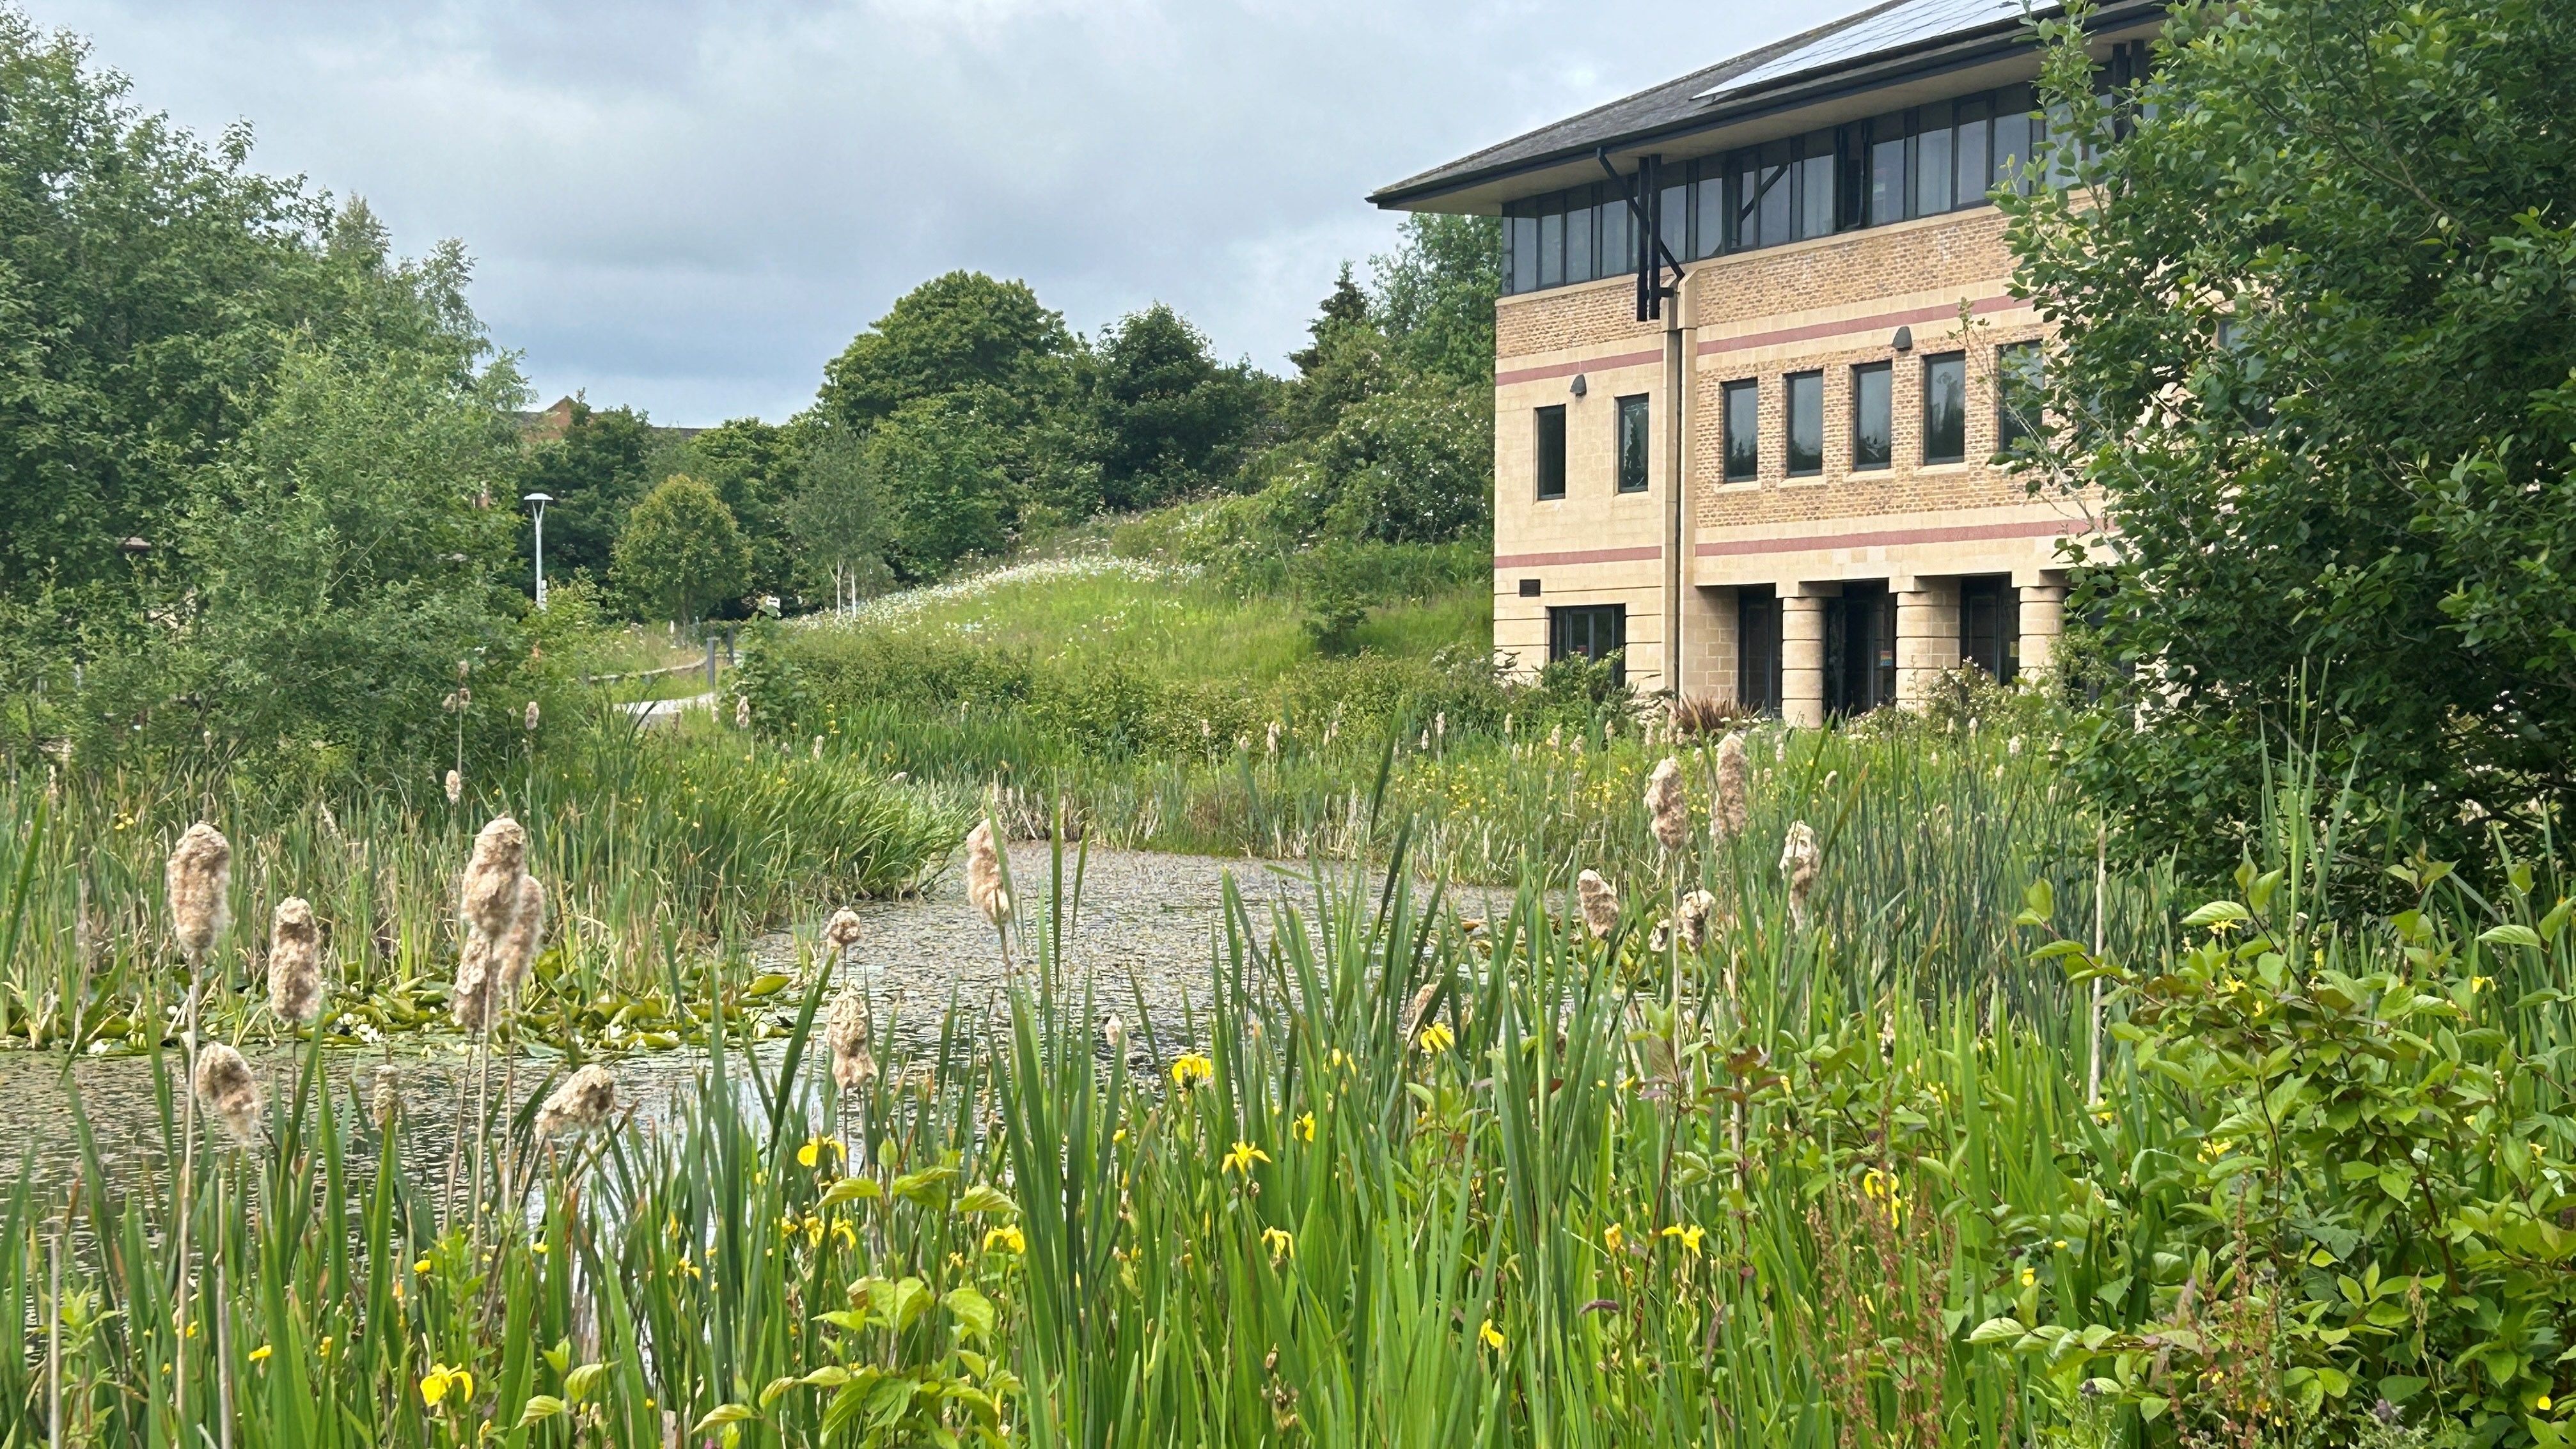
{"x": 1677, "y": 349}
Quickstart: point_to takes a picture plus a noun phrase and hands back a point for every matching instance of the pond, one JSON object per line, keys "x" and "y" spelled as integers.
{"x": 1147, "y": 928}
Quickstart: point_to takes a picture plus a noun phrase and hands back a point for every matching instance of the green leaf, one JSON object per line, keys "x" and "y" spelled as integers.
{"x": 2510, "y": 934}
{"x": 2216, "y": 912}
{"x": 851, "y": 1189}
{"x": 721, "y": 1415}
{"x": 2398, "y": 1388}
{"x": 984, "y": 1198}
{"x": 1996, "y": 1330}
{"x": 972, "y": 1309}
{"x": 541, "y": 1407}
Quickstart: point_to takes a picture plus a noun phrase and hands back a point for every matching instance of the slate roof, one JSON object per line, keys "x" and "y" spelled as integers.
{"x": 1881, "y": 38}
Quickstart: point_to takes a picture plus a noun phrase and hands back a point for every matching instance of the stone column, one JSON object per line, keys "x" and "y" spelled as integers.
{"x": 1927, "y": 637}
{"x": 1708, "y": 643}
{"x": 1802, "y": 653}
{"x": 2043, "y": 618}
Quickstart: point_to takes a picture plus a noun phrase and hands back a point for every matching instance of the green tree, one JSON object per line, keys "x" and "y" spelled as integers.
{"x": 2316, "y": 349}
{"x": 595, "y": 472}
{"x": 1434, "y": 295}
{"x": 755, "y": 468}
{"x": 842, "y": 518}
{"x": 344, "y": 561}
{"x": 956, "y": 332}
{"x": 942, "y": 462}
{"x": 150, "y": 287}
{"x": 1172, "y": 420}
{"x": 682, "y": 550}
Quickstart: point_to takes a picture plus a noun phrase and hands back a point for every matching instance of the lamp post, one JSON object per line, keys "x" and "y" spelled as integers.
{"x": 537, "y": 504}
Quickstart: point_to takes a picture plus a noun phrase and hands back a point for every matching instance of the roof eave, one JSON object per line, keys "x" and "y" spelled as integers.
{"x": 1952, "y": 52}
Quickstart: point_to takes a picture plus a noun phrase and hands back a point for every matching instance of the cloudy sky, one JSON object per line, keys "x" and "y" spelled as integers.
{"x": 690, "y": 207}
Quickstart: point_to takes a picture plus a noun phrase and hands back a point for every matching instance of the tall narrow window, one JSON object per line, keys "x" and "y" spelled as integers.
{"x": 1968, "y": 152}
{"x": 1806, "y": 423}
{"x": 1757, "y": 649}
{"x": 1743, "y": 431}
{"x": 1945, "y": 408}
{"x": 1551, "y": 451}
{"x": 1778, "y": 221}
{"x": 1708, "y": 224}
{"x": 1887, "y": 193}
{"x": 1677, "y": 211}
{"x": 1816, "y": 184}
{"x": 1551, "y": 244}
{"x": 1581, "y": 219}
{"x": 2012, "y": 135}
{"x": 1932, "y": 159}
{"x": 1873, "y": 417}
{"x": 1635, "y": 443}
{"x": 2017, "y": 393}
{"x": 1618, "y": 245}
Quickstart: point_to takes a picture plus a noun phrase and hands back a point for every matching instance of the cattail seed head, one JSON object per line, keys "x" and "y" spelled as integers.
{"x": 818, "y": 747}
{"x": 228, "y": 1092}
{"x": 984, "y": 887}
{"x": 1734, "y": 791}
{"x": 528, "y": 720}
{"x": 489, "y": 893}
{"x": 455, "y": 787}
{"x": 471, "y": 1002}
{"x": 852, "y": 1033}
{"x": 1413, "y": 1009}
{"x": 1600, "y": 902}
{"x": 742, "y": 711}
{"x": 1668, "y": 807}
{"x": 1696, "y": 908}
{"x": 842, "y": 931}
{"x": 1801, "y": 859}
{"x": 580, "y": 1105}
{"x": 384, "y": 1096}
{"x": 295, "y": 962}
{"x": 518, "y": 947}
{"x": 199, "y": 877}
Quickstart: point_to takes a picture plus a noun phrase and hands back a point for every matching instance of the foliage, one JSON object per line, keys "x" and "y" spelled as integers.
{"x": 2359, "y": 1188}
{"x": 842, "y": 517}
{"x": 596, "y": 473}
{"x": 956, "y": 333}
{"x": 345, "y": 561}
{"x": 681, "y": 550}
{"x": 1172, "y": 421}
{"x": 2309, "y": 280}
{"x": 941, "y": 462}
{"x": 756, "y": 468}
{"x": 1434, "y": 295}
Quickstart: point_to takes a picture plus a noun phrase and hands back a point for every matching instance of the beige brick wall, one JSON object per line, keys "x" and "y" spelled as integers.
{"x": 1825, "y": 305}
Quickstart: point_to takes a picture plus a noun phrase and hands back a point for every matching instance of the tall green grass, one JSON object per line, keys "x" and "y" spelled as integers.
{"x": 1406, "y": 1180}
{"x": 654, "y": 844}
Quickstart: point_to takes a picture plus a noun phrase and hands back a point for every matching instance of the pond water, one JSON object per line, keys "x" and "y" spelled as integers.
{"x": 1147, "y": 927}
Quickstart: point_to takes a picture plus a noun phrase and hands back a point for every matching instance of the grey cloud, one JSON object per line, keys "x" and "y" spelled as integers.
{"x": 692, "y": 206}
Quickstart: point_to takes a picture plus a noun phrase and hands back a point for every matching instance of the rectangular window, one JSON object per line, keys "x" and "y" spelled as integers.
{"x": 1636, "y": 443}
{"x": 1945, "y": 408}
{"x": 1932, "y": 172}
{"x": 1777, "y": 220}
{"x": 1873, "y": 416}
{"x": 1708, "y": 226}
{"x": 2013, "y": 138}
{"x": 1746, "y": 204}
{"x": 1618, "y": 232}
{"x": 1743, "y": 431}
{"x": 1757, "y": 649}
{"x": 1551, "y": 451}
{"x": 1580, "y": 221}
{"x": 1520, "y": 253}
{"x": 2017, "y": 385}
{"x": 1816, "y": 185}
{"x": 1968, "y": 152}
{"x": 1551, "y": 244}
{"x": 1887, "y": 192}
{"x": 1590, "y": 631}
{"x": 1677, "y": 213}
{"x": 1990, "y": 626}
{"x": 1806, "y": 423}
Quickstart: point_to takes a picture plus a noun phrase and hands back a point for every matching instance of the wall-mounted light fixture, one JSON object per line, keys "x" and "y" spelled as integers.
{"x": 1580, "y": 386}
{"x": 1905, "y": 339}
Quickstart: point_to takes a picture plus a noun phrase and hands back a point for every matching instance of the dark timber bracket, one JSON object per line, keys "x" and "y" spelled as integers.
{"x": 1644, "y": 192}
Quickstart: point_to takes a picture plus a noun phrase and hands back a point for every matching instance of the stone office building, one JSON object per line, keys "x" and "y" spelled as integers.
{"x": 1743, "y": 433}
